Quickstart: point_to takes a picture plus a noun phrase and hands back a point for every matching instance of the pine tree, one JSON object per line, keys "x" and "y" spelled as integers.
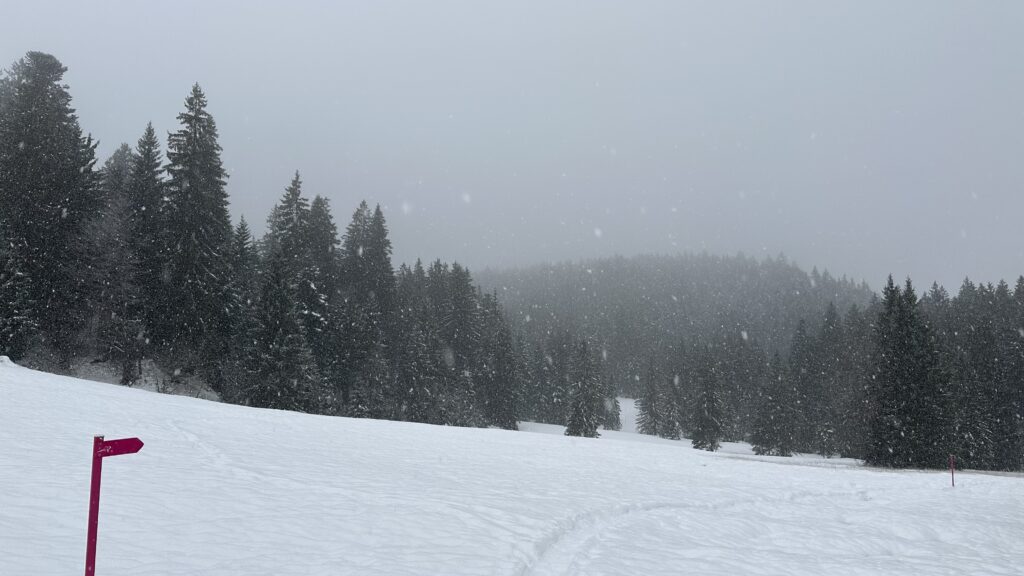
{"x": 825, "y": 407}
{"x": 323, "y": 294}
{"x": 774, "y": 432}
{"x": 611, "y": 408}
{"x": 149, "y": 233}
{"x": 114, "y": 296}
{"x": 199, "y": 233}
{"x": 366, "y": 258}
{"x": 908, "y": 428}
{"x": 47, "y": 193}
{"x": 244, "y": 261}
{"x": 17, "y": 324}
{"x": 855, "y": 376}
{"x": 707, "y": 409}
{"x": 497, "y": 369}
{"x": 648, "y": 407}
{"x": 802, "y": 360}
{"x": 284, "y": 374}
{"x": 584, "y": 417}
{"x": 669, "y": 421}
{"x": 375, "y": 391}
{"x": 417, "y": 380}
{"x": 377, "y": 251}
{"x": 288, "y": 230}
{"x": 367, "y": 287}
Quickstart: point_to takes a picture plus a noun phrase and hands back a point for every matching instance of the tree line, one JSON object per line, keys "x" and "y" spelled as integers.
{"x": 138, "y": 259}
{"x": 906, "y": 382}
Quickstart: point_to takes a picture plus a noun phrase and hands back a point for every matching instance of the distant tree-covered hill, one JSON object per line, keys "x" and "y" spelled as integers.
{"x": 637, "y": 307}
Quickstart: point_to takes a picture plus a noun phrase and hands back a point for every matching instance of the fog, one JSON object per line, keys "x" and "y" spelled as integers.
{"x": 866, "y": 137}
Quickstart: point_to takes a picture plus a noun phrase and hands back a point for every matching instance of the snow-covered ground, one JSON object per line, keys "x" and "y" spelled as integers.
{"x": 225, "y": 490}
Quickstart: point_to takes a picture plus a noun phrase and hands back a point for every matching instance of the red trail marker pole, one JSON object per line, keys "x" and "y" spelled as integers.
{"x": 952, "y": 466}
{"x": 101, "y": 450}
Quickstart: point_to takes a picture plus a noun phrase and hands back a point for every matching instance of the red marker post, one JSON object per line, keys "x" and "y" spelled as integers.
{"x": 100, "y": 450}
{"x": 952, "y": 467}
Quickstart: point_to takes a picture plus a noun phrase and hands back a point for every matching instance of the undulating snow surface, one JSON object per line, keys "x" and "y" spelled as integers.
{"x": 224, "y": 490}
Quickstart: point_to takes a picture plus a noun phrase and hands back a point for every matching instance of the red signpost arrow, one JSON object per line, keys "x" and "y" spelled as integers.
{"x": 100, "y": 450}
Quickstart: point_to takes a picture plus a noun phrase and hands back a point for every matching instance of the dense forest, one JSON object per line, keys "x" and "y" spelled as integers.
{"x": 137, "y": 263}
{"x": 633, "y": 307}
{"x": 138, "y": 260}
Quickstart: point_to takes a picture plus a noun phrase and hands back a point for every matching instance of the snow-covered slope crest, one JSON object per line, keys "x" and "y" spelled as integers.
{"x": 223, "y": 490}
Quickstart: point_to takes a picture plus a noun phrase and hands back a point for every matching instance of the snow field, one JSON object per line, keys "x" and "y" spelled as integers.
{"x": 224, "y": 490}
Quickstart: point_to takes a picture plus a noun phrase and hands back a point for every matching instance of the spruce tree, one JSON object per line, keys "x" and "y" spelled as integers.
{"x": 47, "y": 193}
{"x": 288, "y": 230}
{"x": 284, "y": 375}
{"x": 707, "y": 408}
{"x": 611, "y": 407}
{"x": 367, "y": 285}
{"x": 17, "y": 324}
{"x": 417, "y": 379}
{"x": 910, "y": 387}
{"x": 497, "y": 368}
{"x": 774, "y": 431}
{"x": 669, "y": 421}
{"x": 149, "y": 234}
{"x": 322, "y": 292}
{"x": 114, "y": 296}
{"x": 245, "y": 263}
{"x": 199, "y": 235}
{"x": 802, "y": 373}
{"x": 585, "y": 400}
{"x": 648, "y": 407}
{"x": 825, "y": 406}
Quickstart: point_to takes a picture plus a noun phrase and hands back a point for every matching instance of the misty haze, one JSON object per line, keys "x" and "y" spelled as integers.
{"x": 527, "y": 288}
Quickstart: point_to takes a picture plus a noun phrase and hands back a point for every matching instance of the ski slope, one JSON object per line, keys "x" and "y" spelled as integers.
{"x": 224, "y": 490}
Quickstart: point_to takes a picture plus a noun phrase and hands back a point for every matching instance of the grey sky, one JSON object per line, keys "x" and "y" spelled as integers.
{"x": 864, "y": 137}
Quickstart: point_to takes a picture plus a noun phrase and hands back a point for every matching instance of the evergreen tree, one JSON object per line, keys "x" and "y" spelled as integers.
{"x": 909, "y": 391}
{"x": 802, "y": 360}
{"x": 284, "y": 375}
{"x": 366, "y": 276}
{"x": 669, "y": 395}
{"x": 855, "y": 375}
{"x": 648, "y": 407}
{"x": 374, "y": 390}
{"x": 288, "y": 230}
{"x": 774, "y": 432}
{"x": 199, "y": 237}
{"x": 17, "y": 324}
{"x": 497, "y": 370}
{"x": 825, "y": 407}
{"x": 245, "y": 263}
{"x": 417, "y": 378}
{"x": 148, "y": 233}
{"x": 584, "y": 417}
{"x": 707, "y": 409}
{"x": 47, "y": 193}
{"x": 114, "y": 297}
{"x": 612, "y": 409}
{"x": 366, "y": 259}
{"x": 322, "y": 293}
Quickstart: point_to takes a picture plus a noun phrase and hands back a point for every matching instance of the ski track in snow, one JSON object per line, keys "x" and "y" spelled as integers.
{"x": 566, "y": 550}
{"x": 224, "y": 490}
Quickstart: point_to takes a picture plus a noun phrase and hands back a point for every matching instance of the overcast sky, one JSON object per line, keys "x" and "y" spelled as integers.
{"x": 861, "y": 137}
